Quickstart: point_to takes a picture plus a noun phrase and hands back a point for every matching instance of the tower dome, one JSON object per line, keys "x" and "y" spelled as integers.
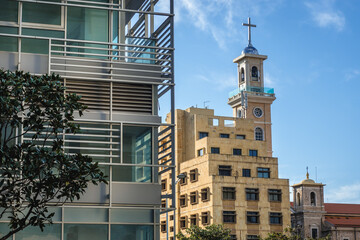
{"x": 250, "y": 49}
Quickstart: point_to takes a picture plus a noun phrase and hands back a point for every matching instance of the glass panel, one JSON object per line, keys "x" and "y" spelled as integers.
{"x": 133, "y": 232}
{"x": 42, "y": 13}
{"x": 11, "y": 30}
{"x": 4, "y": 229}
{"x": 9, "y": 44}
{"x": 9, "y": 11}
{"x": 85, "y": 232}
{"x": 132, "y": 215}
{"x": 131, "y": 174}
{"x": 86, "y": 215}
{"x": 58, "y": 213}
{"x": 42, "y": 33}
{"x": 51, "y": 232}
{"x": 40, "y": 46}
{"x": 137, "y": 145}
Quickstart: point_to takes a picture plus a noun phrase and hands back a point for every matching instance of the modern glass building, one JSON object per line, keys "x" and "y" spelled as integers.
{"x": 118, "y": 55}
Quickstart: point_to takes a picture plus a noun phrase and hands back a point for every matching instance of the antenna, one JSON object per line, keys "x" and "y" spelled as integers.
{"x": 205, "y": 104}
{"x": 315, "y": 174}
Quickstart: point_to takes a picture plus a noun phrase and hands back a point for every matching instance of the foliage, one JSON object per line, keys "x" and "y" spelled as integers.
{"x": 211, "y": 232}
{"x": 288, "y": 234}
{"x": 37, "y": 172}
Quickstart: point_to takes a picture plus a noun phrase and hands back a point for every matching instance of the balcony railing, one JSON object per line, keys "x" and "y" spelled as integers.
{"x": 261, "y": 91}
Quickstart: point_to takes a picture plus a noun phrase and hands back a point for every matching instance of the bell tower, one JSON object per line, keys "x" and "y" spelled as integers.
{"x": 252, "y": 100}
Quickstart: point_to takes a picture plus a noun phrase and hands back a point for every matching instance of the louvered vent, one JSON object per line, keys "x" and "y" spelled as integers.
{"x": 132, "y": 97}
{"x": 94, "y": 94}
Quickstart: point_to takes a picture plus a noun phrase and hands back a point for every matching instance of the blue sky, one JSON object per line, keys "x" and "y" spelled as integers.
{"x": 313, "y": 64}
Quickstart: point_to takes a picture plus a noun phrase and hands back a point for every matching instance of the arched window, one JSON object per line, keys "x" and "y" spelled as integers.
{"x": 254, "y": 73}
{"x": 313, "y": 199}
{"x": 242, "y": 75}
{"x": 298, "y": 199}
{"x": 259, "y": 134}
{"x": 239, "y": 114}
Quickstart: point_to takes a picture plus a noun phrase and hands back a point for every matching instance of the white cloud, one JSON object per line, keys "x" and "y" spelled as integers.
{"x": 222, "y": 18}
{"x": 269, "y": 80}
{"x": 344, "y": 194}
{"x": 351, "y": 74}
{"x": 325, "y": 14}
{"x": 220, "y": 81}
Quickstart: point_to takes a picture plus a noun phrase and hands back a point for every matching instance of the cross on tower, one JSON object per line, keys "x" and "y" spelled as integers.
{"x": 249, "y": 25}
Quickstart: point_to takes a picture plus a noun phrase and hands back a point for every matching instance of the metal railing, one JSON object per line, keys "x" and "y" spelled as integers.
{"x": 261, "y": 91}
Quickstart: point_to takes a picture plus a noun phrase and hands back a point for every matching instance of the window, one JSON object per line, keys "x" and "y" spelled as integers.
{"x": 314, "y": 233}
{"x": 246, "y": 172}
{"x": 183, "y": 222}
{"x": 203, "y": 135}
{"x": 193, "y": 219}
{"x": 254, "y": 73}
{"x": 233, "y": 237}
{"x": 163, "y": 185}
{"x": 224, "y": 135}
{"x": 259, "y": 135}
{"x": 242, "y": 75}
{"x": 313, "y": 199}
{"x": 252, "y": 194}
{"x": 194, "y": 175}
{"x": 200, "y": 152}
{"x": 183, "y": 181}
{"x": 252, "y": 217}
{"x": 298, "y": 199}
{"x": 229, "y": 216}
{"x": 229, "y": 193}
{"x": 275, "y": 218}
{"x": 240, "y": 136}
{"x": 163, "y": 226}
{"x": 194, "y": 197}
{"x": 171, "y": 229}
{"x": 274, "y": 195}
{"x": 205, "y": 194}
{"x": 182, "y": 200}
{"x": 253, "y": 153}
{"x": 239, "y": 114}
{"x": 215, "y": 150}
{"x": 236, "y": 151}
{"x": 205, "y": 218}
{"x": 163, "y": 203}
{"x": 171, "y": 217}
{"x": 263, "y": 172}
{"x": 224, "y": 170}
{"x": 252, "y": 237}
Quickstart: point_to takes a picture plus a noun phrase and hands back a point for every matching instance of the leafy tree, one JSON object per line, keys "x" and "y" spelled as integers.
{"x": 211, "y": 232}
{"x": 37, "y": 172}
{"x": 288, "y": 234}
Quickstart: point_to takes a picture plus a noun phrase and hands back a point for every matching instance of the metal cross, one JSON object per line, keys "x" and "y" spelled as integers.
{"x": 249, "y": 25}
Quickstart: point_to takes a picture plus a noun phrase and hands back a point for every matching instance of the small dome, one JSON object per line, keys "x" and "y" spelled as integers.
{"x": 307, "y": 181}
{"x": 250, "y": 49}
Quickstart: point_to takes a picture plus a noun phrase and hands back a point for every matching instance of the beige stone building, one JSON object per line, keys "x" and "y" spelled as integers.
{"x": 231, "y": 175}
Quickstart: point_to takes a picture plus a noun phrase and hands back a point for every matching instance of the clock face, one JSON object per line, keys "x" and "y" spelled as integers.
{"x": 258, "y": 112}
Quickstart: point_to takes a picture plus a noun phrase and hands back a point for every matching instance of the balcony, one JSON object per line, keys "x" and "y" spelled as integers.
{"x": 259, "y": 91}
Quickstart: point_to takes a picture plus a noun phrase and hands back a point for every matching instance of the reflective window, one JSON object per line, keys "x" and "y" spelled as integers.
{"x": 137, "y": 144}
{"x": 9, "y": 11}
{"x": 132, "y": 215}
{"x": 259, "y": 136}
{"x": 85, "y": 231}
{"x": 42, "y": 13}
{"x": 51, "y": 232}
{"x": 133, "y": 232}
{"x": 86, "y": 214}
{"x": 131, "y": 174}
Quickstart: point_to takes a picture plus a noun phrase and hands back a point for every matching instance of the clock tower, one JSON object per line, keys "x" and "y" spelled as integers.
{"x": 252, "y": 100}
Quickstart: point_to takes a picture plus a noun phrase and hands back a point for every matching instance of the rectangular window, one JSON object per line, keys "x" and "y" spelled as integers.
{"x": 183, "y": 181}
{"x": 252, "y": 237}
{"x": 224, "y": 135}
{"x": 171, "y": 217}
{"x": 163, "y": 226}
{"x": 193, "y": 219}
{"x": 205, "y": 194}
{"x": 253, "y": 153}
{"x": 252, "y": 217}
{"x": 171, "y": 229}
{"x": 194, "y": 175}
{"x": 263, "y": 172}
{"x": 233, "y": 237}
{"x": 183, "y": 222}
{"x": 163, "y": 203}
{"x": 163, "y": 185}
{"x": 240, "y": 136}
{"x": 205, "y": 218}
{"x": 203, "y": 135}
{"x": 224, "y": 170}
{"x": 274, "y": 195}
{"x": 48, "y": 14}
{"x": 314, "y": 233}
{"x": 229, "y": 216}
{"x": 9, "y": 11}
{"x": 252, "y": 194}
{"x": 246, "y": 172}
{"x": 194, "y": 197}
{"x": 236, "y": 151}
{"x": 182, "y": 200}
{"x": 215, "y": 150}
{"x": 275, "y": 218}
{"x": 200, "y": 152}
{"x": 229, "y": 193}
